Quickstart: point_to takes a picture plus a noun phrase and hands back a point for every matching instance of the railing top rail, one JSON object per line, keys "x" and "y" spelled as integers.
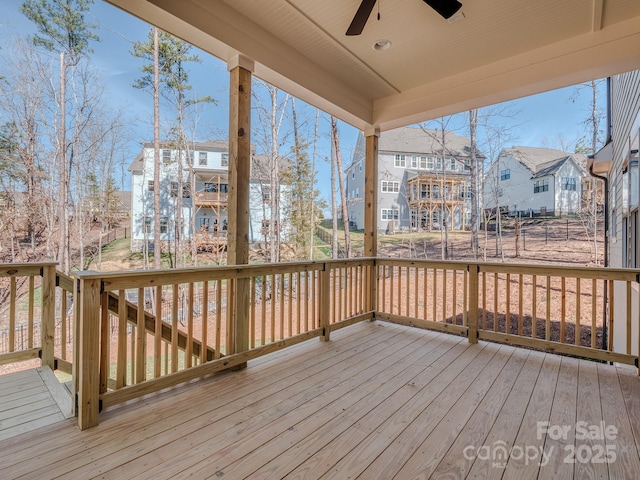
{"x": 113, "y": 281}
{"x": 599, "y": 273}
{"x": 23, "y": 269}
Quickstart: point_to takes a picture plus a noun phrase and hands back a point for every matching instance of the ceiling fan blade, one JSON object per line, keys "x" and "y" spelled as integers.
{"x": 446, "y": 8}
{"x": 361, "y": 17}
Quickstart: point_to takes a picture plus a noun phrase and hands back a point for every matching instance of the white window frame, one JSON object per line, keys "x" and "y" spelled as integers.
{"x": 388, "y": 214}
{"x": 400, "y": 161}
{"x": 389, "y": 186}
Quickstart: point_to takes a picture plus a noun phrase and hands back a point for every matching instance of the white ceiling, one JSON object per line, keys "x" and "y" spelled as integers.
{"x": 502, "y": 49}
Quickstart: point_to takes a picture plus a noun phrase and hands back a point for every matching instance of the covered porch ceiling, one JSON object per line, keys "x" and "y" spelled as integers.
{"x": 500, "y": 50}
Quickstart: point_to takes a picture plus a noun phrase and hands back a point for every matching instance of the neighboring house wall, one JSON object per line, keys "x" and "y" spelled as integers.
{"x": 532, "y": 180}
{"x": 209, "y": 163}
{"x": 402, "y": 159}
{"x": 624, "y": 199}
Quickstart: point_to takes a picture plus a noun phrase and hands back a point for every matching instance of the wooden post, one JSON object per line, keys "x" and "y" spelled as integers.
{"x": 239, "y": 170}
{"x": 472, "y": 318}
{"x": 48, "y": 314}
{"x": 325, "y": 303}
{"x": 370, "y": 213}
{"x": 88, "y": 348}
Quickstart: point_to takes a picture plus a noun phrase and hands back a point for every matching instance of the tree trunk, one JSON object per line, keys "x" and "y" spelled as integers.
{"x": 63, "y": 181}
{"x": 343, "y": 193}
{"x": 157, "y": 249}
{"x": 473, "y": 128}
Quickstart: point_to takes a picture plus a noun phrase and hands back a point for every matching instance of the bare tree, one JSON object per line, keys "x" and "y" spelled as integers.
{"x": 62, "y": 28}
{"x": 335, "y": 142}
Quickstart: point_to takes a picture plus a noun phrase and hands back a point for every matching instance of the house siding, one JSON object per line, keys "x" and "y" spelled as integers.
{"x": 624, "y": 230}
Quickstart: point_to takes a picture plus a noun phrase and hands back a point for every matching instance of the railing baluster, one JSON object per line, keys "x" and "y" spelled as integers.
{"x": 141, "y": 337}
{"x": 30, "y": 309}
{"x": 174, "y": 327}
{"x": 578, "y": 313}
{"x": 121, "y": 373}
{"x": 547, "y": 334}
{"x": 534, "y": 306}
{"x": 563, "y": 307}
{"x": 12, "y": 314}
{"x": 157, "y": 336}
{"x": 629, "y": 318}
{"x": 495, "y": 301}
{"x": 520, "y": 305}
{"x": 594, "y": 290}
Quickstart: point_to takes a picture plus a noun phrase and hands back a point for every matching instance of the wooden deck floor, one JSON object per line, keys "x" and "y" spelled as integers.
{"x": 31, "y": 399}
{"x": 378, "y": 401}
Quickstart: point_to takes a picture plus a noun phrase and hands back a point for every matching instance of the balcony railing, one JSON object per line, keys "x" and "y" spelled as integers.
{"x": 211, "y": 199}
{"x": 141, "y": 332}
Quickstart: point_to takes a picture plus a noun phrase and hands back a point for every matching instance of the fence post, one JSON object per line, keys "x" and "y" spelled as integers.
{"x": 48, "y": 320}
{"x": 87, "y": 345}
{"x": 325, "y": 303}
{"x": 472, "y": 318}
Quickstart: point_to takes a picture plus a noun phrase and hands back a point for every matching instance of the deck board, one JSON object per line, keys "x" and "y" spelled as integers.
{"x": 29, "y": 400}
{"x": 377, "y": 401}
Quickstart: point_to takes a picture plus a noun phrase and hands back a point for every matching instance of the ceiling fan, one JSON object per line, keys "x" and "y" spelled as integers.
{"x": 446, "y": 8}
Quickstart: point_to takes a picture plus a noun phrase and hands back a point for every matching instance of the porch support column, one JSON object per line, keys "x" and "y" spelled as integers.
{"x": 370, "y": 209}
{"x": 240, "y": 69}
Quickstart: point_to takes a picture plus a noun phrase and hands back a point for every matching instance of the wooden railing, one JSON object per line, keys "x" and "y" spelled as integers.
{"x": 216, "y": 318}
{"x": 28, "y": 312}
{"x": 561, "y": 309}
{"x": 141, "y": 332}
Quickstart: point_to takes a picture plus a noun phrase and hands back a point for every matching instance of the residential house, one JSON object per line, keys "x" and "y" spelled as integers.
{"x": 618, "y": 162}
{"x": 535, "y": 181}
{"x": 205, "y": 188}
{"x": 424, "y": 181}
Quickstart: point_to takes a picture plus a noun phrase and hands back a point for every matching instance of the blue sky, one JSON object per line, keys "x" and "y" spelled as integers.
{"x": 542, "y": 118}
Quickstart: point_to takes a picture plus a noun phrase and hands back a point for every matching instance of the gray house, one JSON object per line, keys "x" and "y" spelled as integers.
{"x": 424, "y": 181}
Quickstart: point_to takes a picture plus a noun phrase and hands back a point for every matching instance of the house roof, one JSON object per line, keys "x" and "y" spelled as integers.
{"x": 542, "y": 162}
{"x": 500, "y": 50}
{"x": 418, "y": 141}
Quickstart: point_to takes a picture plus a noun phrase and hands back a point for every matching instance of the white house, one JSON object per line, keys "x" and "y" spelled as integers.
{"x": 205, "y": 173}
{"x": 533, "y": 180}
{"x": 424, "y": 182}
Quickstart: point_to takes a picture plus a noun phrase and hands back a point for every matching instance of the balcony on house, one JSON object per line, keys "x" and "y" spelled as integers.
{"x": 422, "y": 368}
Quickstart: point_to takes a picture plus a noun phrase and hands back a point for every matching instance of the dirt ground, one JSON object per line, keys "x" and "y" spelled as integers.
{"x": 556, "y": 241}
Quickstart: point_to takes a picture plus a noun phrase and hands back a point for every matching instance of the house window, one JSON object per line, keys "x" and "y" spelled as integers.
{"x": 569, "y": 183}
{"x": 147, "y": 224}
{"x": 438, "y": 163}
{"x": 202, "y": 158}
{"x": 430, "y": 163}
{"x": 400, "y": 161}
{"x": 266, "y": 193}
{"x": 541, "y": 186}
{"x": 390, "y": 187}
{"x": 166, "y": 156}
{"x": 390, "y": 214}
{"x": 505, "y": 174}
{"x": 500, "y": 192}
{"x": 186, "y": 190}
{"x": 164, "y": 222}
{"x": 224, "y": 160}
{"x": 174, "y": 189}
{"x": 204, "y": 224}
{"x": 190, "y": 158}
{"x": 452, "y": 164}
{"x": 150, "y": 185}
{"x": 210, "y": 187}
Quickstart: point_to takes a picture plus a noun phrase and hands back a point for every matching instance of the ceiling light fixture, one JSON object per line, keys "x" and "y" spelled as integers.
{"x": 381, "y": 45}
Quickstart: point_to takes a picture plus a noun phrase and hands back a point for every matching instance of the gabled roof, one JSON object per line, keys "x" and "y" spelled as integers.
{"x": 542, "y": 162}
